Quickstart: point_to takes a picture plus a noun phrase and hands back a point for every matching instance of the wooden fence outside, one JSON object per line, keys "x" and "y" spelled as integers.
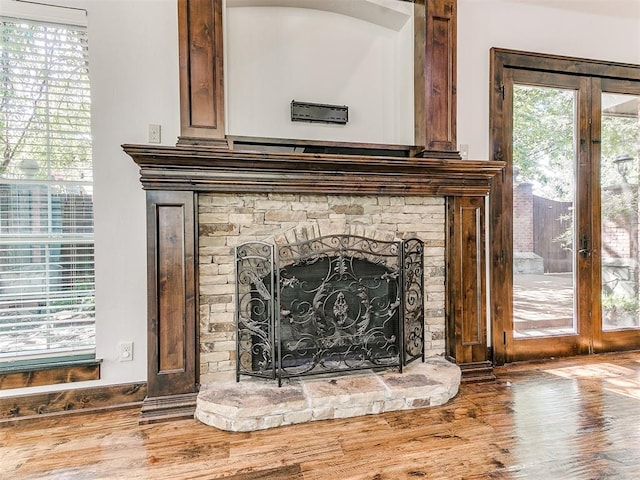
{"x": 552, "y": 223}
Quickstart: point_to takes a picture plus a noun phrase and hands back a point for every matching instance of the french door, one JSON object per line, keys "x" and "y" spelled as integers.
{"x": 565, "y": 214}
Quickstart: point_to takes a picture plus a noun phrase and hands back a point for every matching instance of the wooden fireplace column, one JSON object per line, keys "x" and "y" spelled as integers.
{"x": 466, "y": 302}
{"x": 435, "y": 41}
{"x": 172, "y": 306}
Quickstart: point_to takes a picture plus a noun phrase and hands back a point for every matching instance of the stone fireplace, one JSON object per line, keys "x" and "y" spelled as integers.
{"x": 228, "y": 221}
{"x": 225, "y": 184}
{"x": 202, "y": 203}
{"x": 344, "y": 280}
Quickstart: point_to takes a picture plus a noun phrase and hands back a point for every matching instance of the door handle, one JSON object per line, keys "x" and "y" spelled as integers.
{"x": 584, "y": 251}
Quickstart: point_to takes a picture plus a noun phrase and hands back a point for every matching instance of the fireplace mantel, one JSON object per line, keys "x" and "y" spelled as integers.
{"x": 200, "y": 169}
{"x": 205, "y": 161}
{"x": 174, "y": 176}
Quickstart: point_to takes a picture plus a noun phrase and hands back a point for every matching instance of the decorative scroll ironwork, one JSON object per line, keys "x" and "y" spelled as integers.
{"x": 255, "y": 280}
{"x": 339, "y": 301}
{"x": 413, "y": 305}
{"x": 335, "y": 303}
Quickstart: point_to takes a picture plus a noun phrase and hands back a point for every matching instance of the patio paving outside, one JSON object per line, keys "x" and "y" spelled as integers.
{"x": 543, "y": 304}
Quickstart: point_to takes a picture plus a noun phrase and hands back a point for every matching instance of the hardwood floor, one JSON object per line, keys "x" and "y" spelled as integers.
{"x": 572, "y": 419}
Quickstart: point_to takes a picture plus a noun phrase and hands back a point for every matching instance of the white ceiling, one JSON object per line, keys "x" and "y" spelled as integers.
{"x": 614, "y": 8}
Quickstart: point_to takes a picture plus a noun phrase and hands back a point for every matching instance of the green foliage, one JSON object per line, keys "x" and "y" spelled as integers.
{"x": 616, "y": 303}
{"x": 566, "y": 238}
{"x": 544, "y": 152}
{"x": 544, "y": 148}
{"x": 45, "y": 129}
{"x": 543, "y": 139}
{"x": 619, "y": 202}
{"x": 620, "y": 136}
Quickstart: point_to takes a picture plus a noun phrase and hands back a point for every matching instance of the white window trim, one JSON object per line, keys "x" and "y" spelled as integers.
{"x": 51, "y": 11}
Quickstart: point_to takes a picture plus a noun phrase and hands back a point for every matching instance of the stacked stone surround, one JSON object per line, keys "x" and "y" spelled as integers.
{"x": 226, "y": 220}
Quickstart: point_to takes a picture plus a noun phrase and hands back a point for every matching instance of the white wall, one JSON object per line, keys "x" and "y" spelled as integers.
{"x": 133, "y": 54}
{"x": 275, "y": 55}
{"x": 134, "y": 80}
{"x": 483, "y": 24}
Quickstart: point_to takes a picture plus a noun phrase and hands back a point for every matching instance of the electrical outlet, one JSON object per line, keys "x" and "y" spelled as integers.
{"x": 125, "y": 351}
{"x": 154, "y": 133}
{"x": 464, "y": 151}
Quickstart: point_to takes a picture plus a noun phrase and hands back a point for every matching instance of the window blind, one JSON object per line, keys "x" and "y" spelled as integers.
{"x": 47, "y": 285}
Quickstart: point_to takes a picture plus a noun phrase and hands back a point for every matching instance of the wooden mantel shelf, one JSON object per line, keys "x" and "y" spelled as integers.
{"x": 198, "y": 169}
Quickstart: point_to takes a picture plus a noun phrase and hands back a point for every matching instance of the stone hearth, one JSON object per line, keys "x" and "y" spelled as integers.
{"x": 257, "y": 405}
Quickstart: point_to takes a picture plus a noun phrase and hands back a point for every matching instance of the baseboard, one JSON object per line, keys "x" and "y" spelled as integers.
{"x": 477, "y": 372}
{"x": 171, "y": 407}
{"x": 80, "y": 400}
{"x": 50, "y": 374}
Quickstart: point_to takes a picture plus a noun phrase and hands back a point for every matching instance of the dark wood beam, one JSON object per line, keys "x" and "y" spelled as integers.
{"x": 200, "y": 35}
{"x": 435, "y": 91}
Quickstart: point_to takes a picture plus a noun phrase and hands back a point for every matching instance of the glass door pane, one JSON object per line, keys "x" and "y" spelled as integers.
{"x": 619, "y": 211}
{"x": 544, "y": 190}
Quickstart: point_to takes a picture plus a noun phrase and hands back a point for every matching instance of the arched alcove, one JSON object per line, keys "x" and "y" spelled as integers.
{"x": 356, "y": 54}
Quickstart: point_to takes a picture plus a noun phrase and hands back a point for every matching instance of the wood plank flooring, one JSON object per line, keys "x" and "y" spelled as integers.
{"x": 572, "y": 419}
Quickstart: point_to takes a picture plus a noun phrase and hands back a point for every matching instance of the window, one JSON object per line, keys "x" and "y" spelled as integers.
{"x": 46, "y": 195}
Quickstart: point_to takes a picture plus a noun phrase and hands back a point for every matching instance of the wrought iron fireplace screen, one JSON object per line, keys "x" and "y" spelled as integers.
{"x": 331, "y": 304}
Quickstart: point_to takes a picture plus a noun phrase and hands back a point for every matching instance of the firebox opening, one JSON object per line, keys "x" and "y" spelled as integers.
{"x": 342, "y": 312}
{"x": 339, "y": 303}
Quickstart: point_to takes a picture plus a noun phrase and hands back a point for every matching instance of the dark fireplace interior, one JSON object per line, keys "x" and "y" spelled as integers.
{"x": 338, "y": 309}
{"x": 341, "y": 303}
